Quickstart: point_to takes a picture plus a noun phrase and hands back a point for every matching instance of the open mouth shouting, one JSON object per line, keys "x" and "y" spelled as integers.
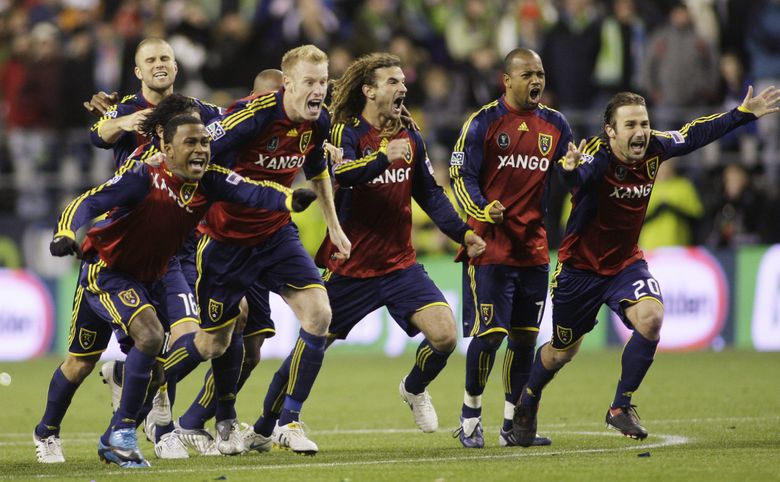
{"x": 197, "y": 165}
{"x": 637, "y": 146}
{"x": 313, "y": 107}
{"x": 535, "y": 94}
{"x": 398, "y": 104}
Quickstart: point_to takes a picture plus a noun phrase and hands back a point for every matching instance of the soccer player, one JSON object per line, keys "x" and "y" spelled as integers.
{"x": 152, "y": 209}
{"x": 599, "y": 261}
{"x": 275, "y": 135}
{"x": 268, "y": 80}
{"x": 500, "y": 170}
{"x": 385, "y": 165}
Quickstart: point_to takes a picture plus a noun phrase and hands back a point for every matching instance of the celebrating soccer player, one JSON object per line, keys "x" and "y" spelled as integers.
{"x": 599, "y": 261}
{"x": 500, "y": 172}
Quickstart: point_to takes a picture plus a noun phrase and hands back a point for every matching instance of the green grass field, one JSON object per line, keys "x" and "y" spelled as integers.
{"x": 711, "y": 416}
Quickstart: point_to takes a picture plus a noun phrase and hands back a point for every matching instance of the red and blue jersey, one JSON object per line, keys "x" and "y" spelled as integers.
{"x": 374, "y": 201}
{"x": 610, "y": 197}
{"x": 152, "y": 211}
{"x": 268, "y": 146}
{"x": 129, "y": 141}
{"x": 506, "y": 155}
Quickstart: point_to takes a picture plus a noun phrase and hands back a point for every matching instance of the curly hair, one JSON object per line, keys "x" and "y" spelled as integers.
{"x": 170, "y": 107}
{"x": 619, "y": 100}
{"x": 348, "y": 100}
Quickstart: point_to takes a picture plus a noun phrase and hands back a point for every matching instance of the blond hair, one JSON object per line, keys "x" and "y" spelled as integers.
{"x": 304, "y": 53}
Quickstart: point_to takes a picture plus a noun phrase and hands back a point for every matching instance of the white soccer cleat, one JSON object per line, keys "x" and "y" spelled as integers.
{"x": 228, "y": 439}
{"x": 170, "y": 447}
{"x": 198, "y": 439}
{"x": 253, "y": 440}
{"x": 293, "y": 437}
{"x": 160, "y": 415}
{"x": 48, "y": 450}
{"x": 107, "y": 375}
{"x": 424, "y": 414}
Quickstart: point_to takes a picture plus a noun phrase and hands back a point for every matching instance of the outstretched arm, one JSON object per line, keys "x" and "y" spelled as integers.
{"x": 762, "y": 104}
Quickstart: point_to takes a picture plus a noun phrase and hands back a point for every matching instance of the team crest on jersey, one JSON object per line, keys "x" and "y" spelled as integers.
{"x": 272, "y": 144}
{"x": 129, "y": 298}
{"x": 486, "y": 313}
{"x": 87, "y": 338}
{"x": 303, "y": 143}
{"x": 503, "y": 140}
{"x": 564, "y": 334}
{"x": 187, "y": 191}
{"x": 545, "y": 143}
{"x": 215, "y": 309}
{"x": 408, "y": 155}
{"x": 621, "y": 172}
{"x": 652, "y": 167}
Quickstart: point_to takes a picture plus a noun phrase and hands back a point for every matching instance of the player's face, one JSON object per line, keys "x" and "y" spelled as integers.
{"x": 630, "y": 135}
{"x": 525, "y": 82}
{"x": 189, "y": 152}
{"x": 155, "y": 66}
{"x": 305, "y": 89}
{"x": 389, "y": 92}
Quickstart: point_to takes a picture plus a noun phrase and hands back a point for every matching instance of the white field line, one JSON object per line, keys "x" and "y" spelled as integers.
{"x": 667, "y": 440}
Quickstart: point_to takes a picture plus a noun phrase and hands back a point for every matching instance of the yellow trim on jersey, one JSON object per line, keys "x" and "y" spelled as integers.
{"x": 554, "y": 281}
{"x": 259, "y": 332}
{"x": 139, "y": 310}
{"x": 103, "y": 296}
{"x": 313, "y": 285}
{"x": 65, "y": 233}
{"x": 260, "y": 103}
{"x": 570, "y": 346}
{"x": 459, "y": 185}
{"x": 633, "y": 302}
{"x": 219, "y": 327}
{"x": 497, "y": 329}
{"x": 324, "y": 175}
{"x": 525, "y": 328}
{"x": 744, "y": 109}
{"x": 185, "y": 320}
{"x": 75, "y": 313}
{"x": 295, "y": 363}
{"x": 700, "y": 120}
{"x": 326, "y": 274}
{"x": 336, "y": 132}
{"x": 435, "y": 303}
{"x": 269, "y": 184}
{"x": 202, "y": 242}
{"x": 98, "y": 352}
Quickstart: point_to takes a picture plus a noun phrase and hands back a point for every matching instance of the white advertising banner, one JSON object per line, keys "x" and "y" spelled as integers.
{"x": 26, "y": 327}
{"x": 765, "y": 326}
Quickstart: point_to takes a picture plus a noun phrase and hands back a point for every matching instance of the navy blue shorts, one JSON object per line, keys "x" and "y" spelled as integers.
{"x": 577, "y": 296}
{"x": 403, "y": 292}
{"x": 500, "y": 298}
{"x": 226, "y": 271}
{"x": 259, "y": 319}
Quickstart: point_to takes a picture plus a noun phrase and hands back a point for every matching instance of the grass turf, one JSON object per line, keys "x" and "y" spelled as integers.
{"x": 711, "y": 416}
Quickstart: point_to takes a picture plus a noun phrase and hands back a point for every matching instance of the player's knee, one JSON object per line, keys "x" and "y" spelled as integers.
{"x": 524, "y": 337}
{"x": 444, "y": 339}
{"x": 650, "y": 322}
{"x": 493, "y": 339}
{"x": 556, "y": 359}
{"x": 149, "y": 340}
{"x": 77, "y": 368}
{"x": 318, "y": 319}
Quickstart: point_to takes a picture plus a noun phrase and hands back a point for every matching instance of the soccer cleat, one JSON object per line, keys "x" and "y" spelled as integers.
{"x": 122, "y": 450}
{"x": 170, "y": 447}
{"x": 48, "y": 450}
{"x": 108, "y": 375}
{"x": 506, "y": 439}
{"x": 160, "y": 415}
{"x": 523, "y": 426}
{"x": 422, "y": 408}
{"x": 293, "y": 437}
{"x": 198, "y": 439}
{"x": 470, "y": 433}
{"x": 253, "y": 440}
{"x": 229, "y": 441}
{"x": 626, "y": 421}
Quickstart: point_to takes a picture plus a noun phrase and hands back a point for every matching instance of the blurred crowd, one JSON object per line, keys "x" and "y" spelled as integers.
{"x": 688, "y": 58}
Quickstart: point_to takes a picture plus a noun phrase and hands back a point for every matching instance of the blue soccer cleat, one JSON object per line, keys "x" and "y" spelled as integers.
{"x": 470, "y": 433}
{"x": 122, "y": 450}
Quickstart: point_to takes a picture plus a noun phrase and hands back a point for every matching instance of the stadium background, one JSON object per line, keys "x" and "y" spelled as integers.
{"x": 718, "y": 207}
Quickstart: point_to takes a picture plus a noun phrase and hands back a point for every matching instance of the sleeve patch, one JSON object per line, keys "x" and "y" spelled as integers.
{"x": 456, "y": 159}
{"x": 111, "y": 114}
{"x": 234, "y": 178}
{"x": 676, "y": 137}
{"x": 215, "y": 130}
{"x": 429, "y": 165}
{"x": 587, "y": 158}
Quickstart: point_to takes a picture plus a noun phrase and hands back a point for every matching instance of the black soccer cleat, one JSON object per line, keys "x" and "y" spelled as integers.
{"x": 627, "y": 422}
{"x": 524, "y": 425}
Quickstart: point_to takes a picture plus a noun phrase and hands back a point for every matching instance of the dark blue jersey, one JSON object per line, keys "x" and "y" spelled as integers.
{"x": 129, "y": 141}
{"x": 506, "y": 155}
{"x": 152, "y": 211}
{"x": 610, "y": 197}
{"x": 374, "y": 201}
